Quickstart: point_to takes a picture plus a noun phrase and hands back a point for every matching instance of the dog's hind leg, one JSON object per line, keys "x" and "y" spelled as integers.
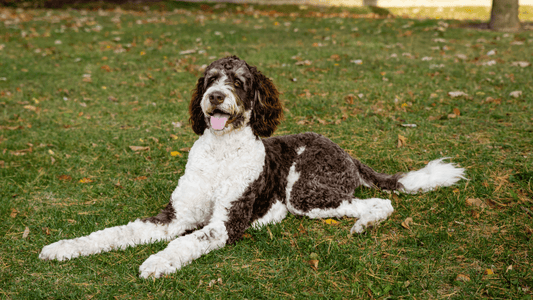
{"x": 319, "y": 198}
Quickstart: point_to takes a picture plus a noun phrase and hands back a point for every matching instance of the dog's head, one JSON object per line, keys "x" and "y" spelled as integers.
{"x": 231, "y": 95}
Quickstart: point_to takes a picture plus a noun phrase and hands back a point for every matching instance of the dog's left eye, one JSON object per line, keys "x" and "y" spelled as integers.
{"x": 237, "y": 83}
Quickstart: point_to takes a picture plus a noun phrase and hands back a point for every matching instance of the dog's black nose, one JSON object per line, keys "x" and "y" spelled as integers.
{"x": 216, "y": 97}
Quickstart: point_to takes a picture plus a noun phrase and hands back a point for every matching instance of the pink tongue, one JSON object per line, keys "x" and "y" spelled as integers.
{"x": 218, "y": 123}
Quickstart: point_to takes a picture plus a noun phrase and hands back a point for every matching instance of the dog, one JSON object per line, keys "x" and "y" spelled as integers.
{"x": 238, "y": 176}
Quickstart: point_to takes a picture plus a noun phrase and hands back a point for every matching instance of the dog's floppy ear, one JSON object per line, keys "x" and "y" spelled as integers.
{"x": 267, "y": 110}
{"x": 197, "y": 118}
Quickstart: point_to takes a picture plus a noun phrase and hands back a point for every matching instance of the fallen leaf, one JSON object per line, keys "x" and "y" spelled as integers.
{"x": 191, "y": 51}
{"x": 516, "y": 94}
{"x": 406, "y": 222}
{"x": 509, "y": 268}
{"x": 475, "y": 202}
{"x": 46, "y": 230}
{"x": 402, "y": 141}
{"x": 173, "y": 136}
{"x": 488, "y": 272}
{"x": 456, "y": 111}
{"x": 139, "y": 148}
{"x": 522, "y": 64}
{"x": 140, "y": 178}
{"x": 409, "y": 125}
{"x": 302, "y": 229}
{"x": 85, "y": 180}
{"x": 331, "y": 222}
{"x": 14, "y": 213}
{"x": 462, "y": 277}
{"x": 186, "y": 149}
{"x": 65, "y": 177}
{"x": 456, "y": 94}
{"x": 452, "y": 116}
{"x": 314, "y": 264}
{"x": 30, "y": 107}
{"x": 26, "y": 232}
{"x": 304, "y": 63}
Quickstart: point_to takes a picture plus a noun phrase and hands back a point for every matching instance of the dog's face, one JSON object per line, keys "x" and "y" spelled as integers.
{"x": 227, "y": 99}
{"x": 231, "y": 95}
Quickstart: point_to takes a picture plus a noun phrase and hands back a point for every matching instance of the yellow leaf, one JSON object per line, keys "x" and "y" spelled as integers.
{"x": 175, "y": 153}
{"x": 51, "y": 152}
{"x": 85, "y": 180}
{"x": 314, "y": 264}
{"x": 331, "y": 222}
{"x": 489, "y": 272}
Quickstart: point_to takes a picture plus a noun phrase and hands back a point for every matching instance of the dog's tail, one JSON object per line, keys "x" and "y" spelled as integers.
{"x": 434, "y": 174}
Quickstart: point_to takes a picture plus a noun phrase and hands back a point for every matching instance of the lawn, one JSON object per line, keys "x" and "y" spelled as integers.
{"x": 94, "y": 133}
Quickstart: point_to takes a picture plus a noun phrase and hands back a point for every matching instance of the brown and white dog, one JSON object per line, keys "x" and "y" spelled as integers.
{"x": 234, "y": 179}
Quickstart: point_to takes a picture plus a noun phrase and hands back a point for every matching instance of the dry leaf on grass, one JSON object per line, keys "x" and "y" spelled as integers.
{"x": 516, "y": 94}
{"x": 26, "y": 232}
{"x": 85, "y": 180}
{"x": 462, "y": 277}
{"x": 456, "y": 94}
{"x": 65, "y": 177}
{"x": 14, "y": 213}
{"x": 456, "y": 111}
{"x": 402, "y": 141}
{"x": 139, "y": 148}
{"x": 521, "y": 64}
{"x": 475, "y": 202}
{"x": 314, "y": 264}
{"x": 406, "y": 222}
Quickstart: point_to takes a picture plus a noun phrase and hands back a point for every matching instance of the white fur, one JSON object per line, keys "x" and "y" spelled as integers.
{"x": 300, "y": 150}
{"x": 275, "y": 214}
{"x": 433, "y": 175}
{"x": 119, "y": 237}
{"x": 218, "y": 171}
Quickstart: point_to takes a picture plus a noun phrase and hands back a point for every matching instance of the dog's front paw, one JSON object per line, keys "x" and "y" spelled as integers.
{"x": 157, "y": 266}
{"x": 61, "y": 250}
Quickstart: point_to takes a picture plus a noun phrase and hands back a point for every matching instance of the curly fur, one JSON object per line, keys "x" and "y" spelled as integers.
{"x": 234, "y": 179}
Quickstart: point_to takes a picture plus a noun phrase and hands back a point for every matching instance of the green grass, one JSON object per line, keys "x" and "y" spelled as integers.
{"x": 71, "y": 109}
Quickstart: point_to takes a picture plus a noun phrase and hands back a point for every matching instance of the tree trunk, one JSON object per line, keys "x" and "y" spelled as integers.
{"x": 504, "y": 16}
{"x": 370, "y": 2}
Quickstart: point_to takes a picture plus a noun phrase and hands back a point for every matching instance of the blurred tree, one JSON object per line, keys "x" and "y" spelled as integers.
{"x": 504, "y": 16}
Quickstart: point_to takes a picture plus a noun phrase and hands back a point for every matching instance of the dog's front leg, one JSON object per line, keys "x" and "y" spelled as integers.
{"x": 228, "y": 223}
{"x": 184, "y": 250}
